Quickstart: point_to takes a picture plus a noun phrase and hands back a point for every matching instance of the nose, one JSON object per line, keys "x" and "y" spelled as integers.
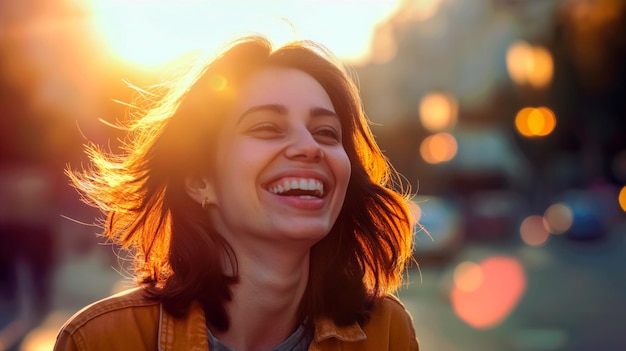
{"x": 303, "y": 146}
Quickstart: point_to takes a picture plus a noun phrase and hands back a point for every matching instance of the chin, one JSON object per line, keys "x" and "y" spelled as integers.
{"x": 308, "y": 233}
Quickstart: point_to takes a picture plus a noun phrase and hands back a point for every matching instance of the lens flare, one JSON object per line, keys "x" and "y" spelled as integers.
{"x": 218, "y": 83}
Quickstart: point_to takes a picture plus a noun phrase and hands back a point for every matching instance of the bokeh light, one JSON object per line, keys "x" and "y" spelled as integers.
{"x": 535, "y": 122}
{"x": 468, "y": 276}
{"x": 533, "y": 231}
{"x": 622, "y": 198}
{"x": 501, "y": 285}
{"x": 529, "y": 64}
{"x": 218, "y": 83}
{"x": 517, "y": 60}
{"x": 543, "y": 66}
{"x": 558, "y": 218}
{"x": 438, "y": 111}
{"x": 438, "y": 148}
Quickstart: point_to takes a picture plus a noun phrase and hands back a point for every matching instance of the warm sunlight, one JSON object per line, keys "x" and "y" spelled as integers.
{"x": 153, "y": 32}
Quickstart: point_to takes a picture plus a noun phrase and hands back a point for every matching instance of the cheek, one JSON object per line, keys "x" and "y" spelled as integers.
{"x": 342, "y": 168}
{"x": 234, "y": 152}
{"x": 239, "y": 163}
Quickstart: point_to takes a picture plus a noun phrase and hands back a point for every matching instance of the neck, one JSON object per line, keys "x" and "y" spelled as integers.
{"x": 264, "y": 309}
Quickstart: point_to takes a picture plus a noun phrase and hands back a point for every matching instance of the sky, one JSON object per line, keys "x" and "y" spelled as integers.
{"x": 152, "y": 32}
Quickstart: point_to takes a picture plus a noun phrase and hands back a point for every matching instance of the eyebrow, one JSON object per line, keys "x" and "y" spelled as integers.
{"x": 320, "y": 111}
{"x": 282, "y": 110}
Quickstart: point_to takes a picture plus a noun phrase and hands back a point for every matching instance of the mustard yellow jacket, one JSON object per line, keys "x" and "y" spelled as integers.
{"x": 128, "y": 321}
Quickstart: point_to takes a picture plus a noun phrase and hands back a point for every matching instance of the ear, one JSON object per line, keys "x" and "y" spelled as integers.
{"x": 200, "y": 189}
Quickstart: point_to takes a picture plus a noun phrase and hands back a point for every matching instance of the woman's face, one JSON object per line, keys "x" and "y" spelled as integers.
{"x": 281, "y": 171}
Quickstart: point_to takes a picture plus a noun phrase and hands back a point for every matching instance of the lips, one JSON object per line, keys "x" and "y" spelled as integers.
{"x": 295, "y": 186}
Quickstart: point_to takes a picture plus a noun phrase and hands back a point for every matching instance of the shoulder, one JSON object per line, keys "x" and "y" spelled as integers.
{"x": 131, "y": 321}
{"x": 391, "y": 321}
{"x": 112, "y": 307}
{"x": 118, "y": 322}
{"x": 390, "y": 307}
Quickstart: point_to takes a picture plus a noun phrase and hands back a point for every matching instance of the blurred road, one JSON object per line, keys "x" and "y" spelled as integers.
{"x": 573, "y": 299}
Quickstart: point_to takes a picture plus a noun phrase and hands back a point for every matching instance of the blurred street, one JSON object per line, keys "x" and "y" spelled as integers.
{"x": 573, "y": 298}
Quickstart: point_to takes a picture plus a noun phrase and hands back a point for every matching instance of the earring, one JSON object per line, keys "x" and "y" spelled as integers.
{"x": 205, "y": 204}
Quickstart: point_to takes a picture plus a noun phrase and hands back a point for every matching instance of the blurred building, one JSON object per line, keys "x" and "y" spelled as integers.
{"x": 475, "y": 54}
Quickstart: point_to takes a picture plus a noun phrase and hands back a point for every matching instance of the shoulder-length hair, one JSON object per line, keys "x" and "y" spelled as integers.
{"x": 178, "y": 253}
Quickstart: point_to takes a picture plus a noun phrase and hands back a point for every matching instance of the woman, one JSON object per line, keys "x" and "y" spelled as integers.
{"x": 260, "y": 212}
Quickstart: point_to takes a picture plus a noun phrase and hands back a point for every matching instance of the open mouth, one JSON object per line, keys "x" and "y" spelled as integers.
{"x": 301, "y": 187}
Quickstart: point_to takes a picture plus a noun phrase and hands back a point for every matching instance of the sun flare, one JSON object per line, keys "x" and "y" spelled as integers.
{"x": 153, "y": 32}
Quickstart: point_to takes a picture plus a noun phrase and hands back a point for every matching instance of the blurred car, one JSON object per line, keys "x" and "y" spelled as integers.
{"x": 591, "y": 211}
{"x": 494, "y": 215}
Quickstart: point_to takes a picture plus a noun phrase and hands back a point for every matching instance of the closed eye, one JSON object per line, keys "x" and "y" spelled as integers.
{"x": 327, "y": 135}
{"x": 265, "y": 131}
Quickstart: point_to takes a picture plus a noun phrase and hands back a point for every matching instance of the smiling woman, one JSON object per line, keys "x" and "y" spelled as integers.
{"x": 260, "y": 210}
{"x": 151, "y": 33}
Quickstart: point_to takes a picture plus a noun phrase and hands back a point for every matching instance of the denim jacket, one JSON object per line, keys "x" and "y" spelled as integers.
{"x": 128, "y": 321}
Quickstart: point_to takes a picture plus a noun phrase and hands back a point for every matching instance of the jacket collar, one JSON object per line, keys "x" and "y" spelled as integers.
{"x": 325, "y": 328}
{"x": 194, "y": 335}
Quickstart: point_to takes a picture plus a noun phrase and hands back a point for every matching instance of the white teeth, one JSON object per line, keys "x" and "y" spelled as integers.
{"x": 302, "y": 184}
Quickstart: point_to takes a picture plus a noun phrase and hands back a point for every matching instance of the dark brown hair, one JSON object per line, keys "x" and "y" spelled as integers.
{"x": 176, "y": 248}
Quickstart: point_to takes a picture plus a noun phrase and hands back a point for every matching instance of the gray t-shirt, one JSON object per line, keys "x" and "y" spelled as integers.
{"x": 298, "y": 341}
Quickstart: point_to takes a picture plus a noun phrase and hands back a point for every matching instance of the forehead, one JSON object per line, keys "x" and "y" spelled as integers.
{"x": 282, "y": 86}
